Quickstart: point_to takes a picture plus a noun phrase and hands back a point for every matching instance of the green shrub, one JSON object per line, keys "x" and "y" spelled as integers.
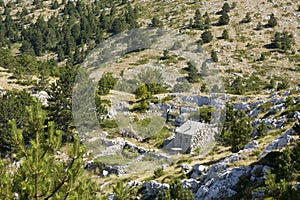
{"x": 159, "y": 172}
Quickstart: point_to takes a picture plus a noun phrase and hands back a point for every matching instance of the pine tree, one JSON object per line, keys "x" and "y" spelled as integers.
{"x": 54, "y": 5}
{"x": 121, "y": 192}
{"x": 198, "y": 21}
{"x": 13, "y": 105}
{"x": 38, "y": 4}
{"x": 60, "y": 103}
{"x": 207, "y": 36}
{"x": 272, "y": 21}
{"x": 225, "y": 35}
{"x": 259, "y": 26}
{"x": 118, "y": 25}
{"x": 247, "y": 18}
{"x": 237, "y": 86}
{"x": 225, "y": 8}
{"x": 224, "y": 19}
{"x": 237, "y": 129}
{"x": 39, "y": 174}
{"x": 214, "y": 56}
{"x": 106, "y": 83}
{"x": 206, "y": 21}
{"x": 193, "y": 76}
{"x": 27, "y": 48}
{"x": 283, "y": 40}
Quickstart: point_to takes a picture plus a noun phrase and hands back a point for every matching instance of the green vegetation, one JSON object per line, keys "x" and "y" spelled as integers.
{"x": 13, "y": 106}
{"x": 224, "y": 19}
{"x": 214, "y": 56}
{"x": 272, "y": 22}
{"x": 247, "y": 18}
{"x": 237, "y": 129}
{"x": 207, "y": 36}
{"x": 283, "y": 40}
{"x": 106, "y": 83}
{"x": 193, "y": 76}
{"x": 176, "y": 191}
{"x": 40, "y": 174}
{"x": 43, "y": 44}
{"x": 225, "y": 35}
{"x": 160, "y": 136}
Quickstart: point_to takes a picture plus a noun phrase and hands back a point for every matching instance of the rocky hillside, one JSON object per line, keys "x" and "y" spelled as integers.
{"x": 93, "y": 92}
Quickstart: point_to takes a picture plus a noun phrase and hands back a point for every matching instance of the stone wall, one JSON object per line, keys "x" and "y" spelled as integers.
{"x": 203, "y": 137}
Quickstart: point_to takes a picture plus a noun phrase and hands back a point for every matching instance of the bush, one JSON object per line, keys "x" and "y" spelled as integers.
{"x": 272, "y": 21}
{"x": 158, "y": 173}
{"x": 206, "y": 36}
{"x": 225, "y": 35}
{"x": 247, "y": 18}
{"x": 283, "y": 85}
{"x": 283, "y": 40}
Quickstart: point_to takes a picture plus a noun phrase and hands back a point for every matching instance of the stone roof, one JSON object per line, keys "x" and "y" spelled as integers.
{"x": 190, "y": 127}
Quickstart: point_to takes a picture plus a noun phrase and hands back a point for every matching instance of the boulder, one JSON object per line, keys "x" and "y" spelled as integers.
{"x": 185, "y": 167}
{"x": 221, "y": 187}
{"x": 256, "y": 195}
{"x": 152, "y": 188}
{"x": 133, "y": 183}
{"x": 251, "y": 146}
{"x": 198, "y": 170}
{"x": 191, "y": 184}
{"x": 278, "y": 143}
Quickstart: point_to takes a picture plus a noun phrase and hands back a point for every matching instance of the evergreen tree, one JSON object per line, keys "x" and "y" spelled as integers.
{"x": 193, "y": 76}
{"x": 198, "y": 21}
{"x": 121, "y": 192}
{"x": 118, "y": 25}
{"x": 225, "y": 8}
{"x": 60, "y": 103}
{"x": 224, "y": 19}
{"x": 247, "y": 18}
{"x": 38, "y": 42}
{"x": 39, "y": 174}
{"x": 237, "y": 129}
{"x": 283, "y": 40}
{"x": 176, "y": 191}
{"x": 142, "y": 92}
{"x": 206, "y": 21}
{"x": 27, "y": 48}
{"x": 13, "y": 106}
{"x": 104, "y": 21}
{"x": 225, "y": 35}
{"x": 259, "y": 26}
{"x": 60, "y": 53}
{"x": 272, "y": 21}
{"x": 106, "y": 83}
{"x": 262, "y": 129}
{"x": 131, "y": 16}
{"x": 54, "y": 5}
{"x": 237, "y": 86}
{"x": 207, "y": 36}
{"x": 214, "y": 56}
{"x": 38, "y": 4}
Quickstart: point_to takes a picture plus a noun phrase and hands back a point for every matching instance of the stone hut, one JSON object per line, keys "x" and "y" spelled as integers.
{"x": 191, "y": 135}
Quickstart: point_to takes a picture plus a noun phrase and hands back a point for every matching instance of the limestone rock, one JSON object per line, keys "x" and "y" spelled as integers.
{"x": 152, "y": 188}
{"x": 279, "y": 142}
{"x": 191, "y": 184}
